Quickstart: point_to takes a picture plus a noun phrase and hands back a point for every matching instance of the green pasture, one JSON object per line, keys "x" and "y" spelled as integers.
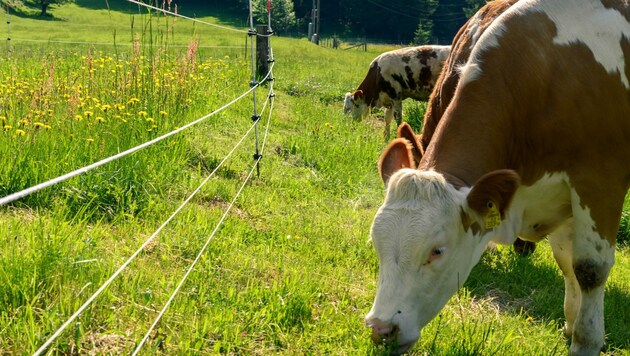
{"x": 290, "y": 271}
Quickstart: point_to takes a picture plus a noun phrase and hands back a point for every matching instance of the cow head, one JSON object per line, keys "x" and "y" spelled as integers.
{"x": 355, "y": 104}
{"x": 428, "y": 235}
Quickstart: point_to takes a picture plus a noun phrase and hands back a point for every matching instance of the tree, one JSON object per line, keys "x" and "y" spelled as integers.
{"x": 282, "y": 14}
{"x": 472, "y": 6}
{"x": 43, "y": 5}
{"x": 424, "y": 32}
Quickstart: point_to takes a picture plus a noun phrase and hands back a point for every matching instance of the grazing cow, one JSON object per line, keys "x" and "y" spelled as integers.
{"x": 534, "y": 142}
{"x": 394, "y": 76}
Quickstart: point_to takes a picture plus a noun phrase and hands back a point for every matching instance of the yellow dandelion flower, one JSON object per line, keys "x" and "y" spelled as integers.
{"x": 133, "y": 101}
{"x": 7, "y": 127}
{"x": 143, "y": 113}
{"x": 105, "y": 107}
{"x": 150, "y": 119}
{"x": 78, "y": 117}
{"x": 189, "y": 100}
{"x": 20, "y": 132}
{"x": 119, "y": 107}
{"x": 3, "y": 119}
{"x": 163, "y": 113}
{"x": 100, "y": 119}
{"x": 89, "y": 140}
{"x": 24, "y": 122}
{"x": 88, "y": 113}
{"x": 38, "y": 125}
{"x": 47, "y": 127}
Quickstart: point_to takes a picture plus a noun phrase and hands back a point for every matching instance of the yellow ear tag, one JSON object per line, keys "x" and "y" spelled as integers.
{"x": 493, "y": 219}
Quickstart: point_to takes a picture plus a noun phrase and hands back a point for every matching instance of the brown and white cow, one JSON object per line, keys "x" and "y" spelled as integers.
{"x": 444, "y": 90}
{"x": 535, "y": 142}
{"x": 394, "y": 76}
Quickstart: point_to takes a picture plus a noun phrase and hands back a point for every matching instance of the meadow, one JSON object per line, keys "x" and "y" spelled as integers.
{"x": 290, "y": 271}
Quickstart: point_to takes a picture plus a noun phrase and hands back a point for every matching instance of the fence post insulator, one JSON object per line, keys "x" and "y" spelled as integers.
{"x": 271, "y": 61}
{"x": 271, "y": 79}
{"x": 272, "y": 95}
{"x": 253, "y": 84}
{"x": 255, "y": 118}
{"x": 251, "y": 32}
{"x": 257, "y": 156}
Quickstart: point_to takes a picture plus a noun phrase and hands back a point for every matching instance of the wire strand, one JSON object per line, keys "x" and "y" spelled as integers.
{"x": 111, "y": 43}
{"x": 186, "y": 17}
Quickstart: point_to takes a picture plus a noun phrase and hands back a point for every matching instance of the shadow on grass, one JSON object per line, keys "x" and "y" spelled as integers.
{"x": 520, "y": 285}
{"x": 34, "y": 14}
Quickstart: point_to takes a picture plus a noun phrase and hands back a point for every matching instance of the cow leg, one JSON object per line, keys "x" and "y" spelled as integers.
{"x": 593, "y": 256}
{"x": 389, "y": 115}
{"x": 397, "y": 106}
{"x": 561, "y": 241}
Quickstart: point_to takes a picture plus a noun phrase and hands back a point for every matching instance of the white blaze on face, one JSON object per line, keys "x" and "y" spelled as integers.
{"x": 424, "y": 253}
{"x": 347, "y": 103}
{"x": 357, "y": 107}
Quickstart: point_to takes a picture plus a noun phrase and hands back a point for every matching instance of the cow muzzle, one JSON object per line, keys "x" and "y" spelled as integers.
{"x": 388, "y": 334}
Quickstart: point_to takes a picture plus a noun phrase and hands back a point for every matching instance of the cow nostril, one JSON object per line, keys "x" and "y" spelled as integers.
{"x": 384, "y": 333}
{"x": 392, "y": 332}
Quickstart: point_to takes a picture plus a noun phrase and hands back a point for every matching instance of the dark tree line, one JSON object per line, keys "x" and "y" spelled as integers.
{"x": 396, "y": 21}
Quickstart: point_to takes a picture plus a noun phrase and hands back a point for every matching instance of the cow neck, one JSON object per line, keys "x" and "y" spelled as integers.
{"x": 369, "y": 85}
{"x": 469, "y": 142}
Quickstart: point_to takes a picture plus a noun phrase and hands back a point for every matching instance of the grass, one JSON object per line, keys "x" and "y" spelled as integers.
{"x": 290, "y": 271}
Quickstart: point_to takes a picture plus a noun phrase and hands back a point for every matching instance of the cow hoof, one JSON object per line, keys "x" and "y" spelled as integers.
{"x": 524, "y": 248}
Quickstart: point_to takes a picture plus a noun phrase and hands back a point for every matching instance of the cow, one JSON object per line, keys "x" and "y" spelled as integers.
{"x": 534, "y": 143}
{"x": 449, "y": 77}
{"x": 394, "y": 76}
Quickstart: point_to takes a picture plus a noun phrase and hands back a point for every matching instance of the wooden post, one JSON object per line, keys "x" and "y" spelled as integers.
{"x": 262, "y": 51}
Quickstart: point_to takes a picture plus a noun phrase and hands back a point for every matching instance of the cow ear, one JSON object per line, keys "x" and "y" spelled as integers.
{"x": 357, "y": 94}
{"x": 491, "y": 196}
{"x": 405, "y": 131}
{"x": 397, "y": 155}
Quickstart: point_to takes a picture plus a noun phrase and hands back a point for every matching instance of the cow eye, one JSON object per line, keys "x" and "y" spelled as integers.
{"x": 436, "y": 253}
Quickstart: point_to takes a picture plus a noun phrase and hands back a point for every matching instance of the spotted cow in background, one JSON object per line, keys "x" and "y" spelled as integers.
{"x": 394, "y": 76}
{"x": 534, "y": 143}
